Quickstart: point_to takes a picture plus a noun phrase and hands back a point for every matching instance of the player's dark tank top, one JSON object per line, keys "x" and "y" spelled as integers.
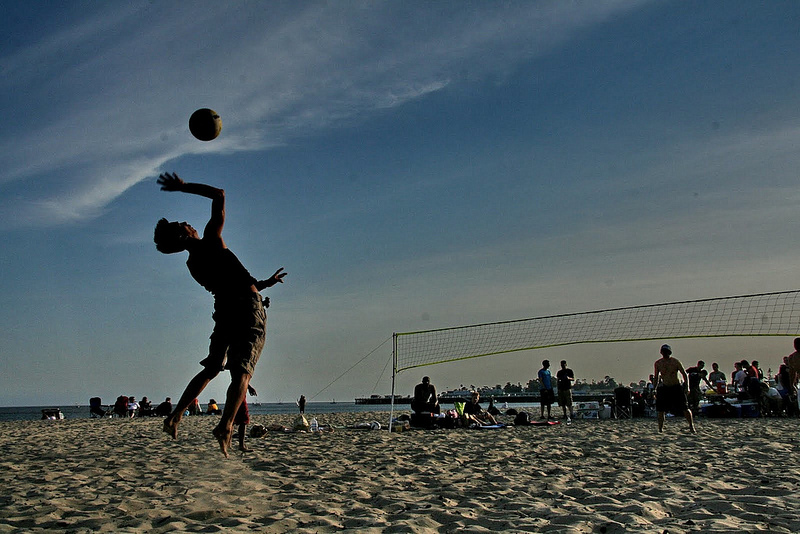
{"x": 219, "y": 271}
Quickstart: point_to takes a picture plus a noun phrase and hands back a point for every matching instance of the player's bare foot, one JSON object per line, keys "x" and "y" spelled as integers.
{"x": 224, "y": 439}
{"x": 171, "y": 427}
{"x": 245, "y": 448}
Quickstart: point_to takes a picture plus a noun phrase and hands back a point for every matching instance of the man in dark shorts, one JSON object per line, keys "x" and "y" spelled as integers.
{"x": 697, "y": 374}
{"x": 239, "y": 314}
{"x": 564, "y": 378}
{"x": 670, "y": 392}
{"x": 546, "y": 394}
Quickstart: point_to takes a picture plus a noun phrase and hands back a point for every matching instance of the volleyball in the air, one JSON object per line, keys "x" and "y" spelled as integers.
{"x": 205, "y": 124}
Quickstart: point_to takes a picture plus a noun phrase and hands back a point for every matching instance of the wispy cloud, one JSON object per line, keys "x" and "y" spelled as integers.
{"x": 103, "y": 104}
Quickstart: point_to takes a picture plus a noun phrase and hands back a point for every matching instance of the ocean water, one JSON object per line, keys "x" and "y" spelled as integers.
{"x": 24, "y": 413}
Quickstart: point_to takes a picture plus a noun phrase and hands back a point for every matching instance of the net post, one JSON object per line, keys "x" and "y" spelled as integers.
{"x": 394, "y": 373}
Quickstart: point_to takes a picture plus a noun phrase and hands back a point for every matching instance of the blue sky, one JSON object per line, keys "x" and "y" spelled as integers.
{"x": 412, "y": 165}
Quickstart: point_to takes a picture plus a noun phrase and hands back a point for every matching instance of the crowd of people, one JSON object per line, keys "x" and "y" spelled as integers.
{"x": 670, "y": 389}
{"x": 128, "y": 407}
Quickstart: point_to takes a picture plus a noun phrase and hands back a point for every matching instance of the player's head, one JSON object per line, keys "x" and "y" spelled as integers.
{"x": 171, "y": 237}
{"x": 545, "y": 363}
{"x": 797, "y": 343}
{"x": 563, "y": 364}
{"x": 666, "y": 350}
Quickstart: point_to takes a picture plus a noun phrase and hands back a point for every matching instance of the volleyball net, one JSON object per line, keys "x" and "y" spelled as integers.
{"x": 764, "y": 314}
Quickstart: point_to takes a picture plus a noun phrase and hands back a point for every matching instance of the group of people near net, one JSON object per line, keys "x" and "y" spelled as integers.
{"x": 672, "y": 389}
{"x": 470, "y": 413}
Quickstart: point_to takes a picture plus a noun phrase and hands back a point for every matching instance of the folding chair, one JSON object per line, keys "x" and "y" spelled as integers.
{"x": 96, "y": 407}
{"x": 623, "y": 403}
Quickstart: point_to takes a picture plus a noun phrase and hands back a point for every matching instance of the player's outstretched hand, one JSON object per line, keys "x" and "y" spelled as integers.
{"x": 276, "y": 278}
{"x": 170, "y": 182}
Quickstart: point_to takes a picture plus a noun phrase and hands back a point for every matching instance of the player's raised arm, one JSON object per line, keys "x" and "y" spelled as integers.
{"x": 172, "y": 182}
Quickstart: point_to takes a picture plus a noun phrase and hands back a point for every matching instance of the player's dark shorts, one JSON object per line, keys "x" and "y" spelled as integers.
{"x": 671, "y": 399}
{"x": 238, "y": 336}
{"x": 546, "y": 396}
{"x": 565, "y": 397}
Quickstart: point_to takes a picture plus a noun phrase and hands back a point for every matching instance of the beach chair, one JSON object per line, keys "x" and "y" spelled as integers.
{"x": 623, "y": 403}
{"x": 96, "y": 407}
{"x": 121, "y": 406}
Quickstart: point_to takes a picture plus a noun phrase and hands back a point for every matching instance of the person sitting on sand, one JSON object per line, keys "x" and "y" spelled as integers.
{"x": 425, "y": 398}
{"x": 239, "y": 312}
{"x": 670, "y": 393}
{"x": 492, "y": 409}
{"x": 194, "y": 407}
{"x": 145, "y": 407}
{"x": 165, "y": 408}
{"x": 474, "y": 414}
{"x": 133, "y": 407}
{"x": 212, "y": 408}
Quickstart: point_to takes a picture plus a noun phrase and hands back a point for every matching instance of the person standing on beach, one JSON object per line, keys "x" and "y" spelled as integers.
{"x": 301, "y": 403}
{"x": 546, "y": 395}
{"x": 670, "y": 392}
{"x": 696, "y": 375}
{"x": 740, "y": 376}
{"x": 793, "y": 363}
{"x": 564, "y": 378}
{"x": 239, "y": 313}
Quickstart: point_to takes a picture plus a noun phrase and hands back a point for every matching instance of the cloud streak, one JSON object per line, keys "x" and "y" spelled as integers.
{"x": 103, "y": 104}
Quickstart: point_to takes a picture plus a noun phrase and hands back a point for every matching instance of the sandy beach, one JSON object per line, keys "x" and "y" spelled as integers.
{"x": 117, "y": 475}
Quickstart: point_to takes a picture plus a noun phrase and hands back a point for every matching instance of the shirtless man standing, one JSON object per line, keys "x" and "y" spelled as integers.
{"x": 793, "y": 362}
{"x": 671, "y": 393}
